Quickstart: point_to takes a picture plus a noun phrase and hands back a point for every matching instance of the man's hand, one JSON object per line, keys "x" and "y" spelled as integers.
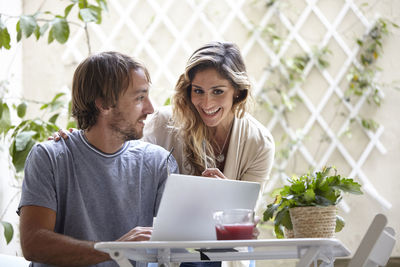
{"x": 213, "y": 173}
{"x": 138, "y": 233}
{"x": 256, "y": 232}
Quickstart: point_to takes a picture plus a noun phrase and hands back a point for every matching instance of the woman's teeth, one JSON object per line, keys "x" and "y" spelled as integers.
{"x": 211, "y": 112}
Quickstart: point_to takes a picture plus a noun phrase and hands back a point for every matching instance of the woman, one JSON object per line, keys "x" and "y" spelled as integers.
{"x": 209, "y": 127}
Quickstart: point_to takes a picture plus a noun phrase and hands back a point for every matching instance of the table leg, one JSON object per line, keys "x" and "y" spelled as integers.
{"x": 120, "y": 258}
{"x": 308, "y": 257}
{"x": 327, "y": 259}
{"x": 164, "y": 256}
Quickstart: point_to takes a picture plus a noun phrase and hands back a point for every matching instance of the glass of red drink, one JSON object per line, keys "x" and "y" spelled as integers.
{"x": 234, "y": 224}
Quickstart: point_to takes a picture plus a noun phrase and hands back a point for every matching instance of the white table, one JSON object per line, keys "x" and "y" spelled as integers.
{"x": 307, "y": 250}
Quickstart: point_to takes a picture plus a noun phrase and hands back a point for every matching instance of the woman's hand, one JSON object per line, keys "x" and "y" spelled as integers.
{"x": 61, "y": 133}
{"x": 256, "y": 232}
{"x": 213, "y": 173}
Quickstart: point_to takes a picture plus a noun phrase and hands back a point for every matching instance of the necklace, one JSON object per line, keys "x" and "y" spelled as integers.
{"x": 221, "y": 157}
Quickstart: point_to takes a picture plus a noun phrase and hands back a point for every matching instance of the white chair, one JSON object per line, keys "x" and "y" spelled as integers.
{"x": 376, "y": 246}
{"x": 13, "y": 261}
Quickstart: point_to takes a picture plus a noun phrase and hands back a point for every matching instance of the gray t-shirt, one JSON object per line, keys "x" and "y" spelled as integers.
{"x": 96, "y": 196}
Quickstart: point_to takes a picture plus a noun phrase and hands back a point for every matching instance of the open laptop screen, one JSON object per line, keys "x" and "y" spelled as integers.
{"x": 188, "y": 202}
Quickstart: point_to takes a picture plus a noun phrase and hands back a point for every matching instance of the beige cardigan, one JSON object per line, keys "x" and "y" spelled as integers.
{"x": 250, "y": 153}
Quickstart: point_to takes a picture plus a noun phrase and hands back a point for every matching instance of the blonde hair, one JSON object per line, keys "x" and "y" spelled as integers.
{"x": 226, "y": 59}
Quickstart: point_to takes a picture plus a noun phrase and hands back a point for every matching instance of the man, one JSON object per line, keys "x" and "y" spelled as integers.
{"x": 98, "y": 185}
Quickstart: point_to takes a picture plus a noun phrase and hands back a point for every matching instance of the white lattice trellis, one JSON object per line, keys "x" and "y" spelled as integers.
{"x": 180, "y": 44}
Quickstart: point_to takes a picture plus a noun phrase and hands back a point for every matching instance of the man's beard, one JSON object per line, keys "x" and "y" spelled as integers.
{"x": 128, "y": 132}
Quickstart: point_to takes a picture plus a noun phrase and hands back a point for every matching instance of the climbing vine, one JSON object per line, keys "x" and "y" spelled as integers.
{"x": 290, "y": 74}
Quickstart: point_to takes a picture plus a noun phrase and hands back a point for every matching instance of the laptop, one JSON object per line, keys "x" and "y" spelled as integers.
{"x": 188, "y": 202}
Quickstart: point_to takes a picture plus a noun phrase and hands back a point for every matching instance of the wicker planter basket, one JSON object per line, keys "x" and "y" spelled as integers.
{"x": 314, "y": 221}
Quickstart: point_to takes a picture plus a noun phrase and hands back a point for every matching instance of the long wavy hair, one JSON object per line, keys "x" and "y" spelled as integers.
{"x": 226, "y": 59}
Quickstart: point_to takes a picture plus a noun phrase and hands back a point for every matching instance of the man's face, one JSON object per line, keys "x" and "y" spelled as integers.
{"x": 127, "y": 118}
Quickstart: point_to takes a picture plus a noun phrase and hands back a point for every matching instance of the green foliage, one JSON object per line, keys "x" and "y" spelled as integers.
{"x": 271, "y": 34}
{"x": 58, "y": 25}
{"x": 4, "y": 35}
{"x": 369, "y": 124}
{"x": 318, "y": 189}
{"x": 362, "y": 77}
{"x": 24, "y": 135}
{"x": 289, "y": 74}
{"x": 167, "y": 101}
{"x": 8, "y": 231}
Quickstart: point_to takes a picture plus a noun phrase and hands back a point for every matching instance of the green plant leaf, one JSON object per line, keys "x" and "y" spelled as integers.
{"x": 309, "y": 195}
{"x": 8, "y": 231}
{"x": 21, "y": 109}
{"x": 50, "y": 127}
{"x": 349, "y": 186}
{"x": 279, "y": 232}
{"x": 339, "y": 223}
{"x": 88, "y": 15}
{"x": 71, "y": 124}
{"x": 50, "y": 38}
{"x": 369, "y": 124}
{"x": 269, "y": 212}
{"x": 102, "y": 4}
{"x": 167, "y": 102}
{"x": 82, "y": 3}
{"x": 60, "y": 29}
{"x": 23, "y": 139}
{"x": 298, "y": 187}
{"x": 4, "y": 37}
{"x": 325, "y": 200}
{"x": 55, "y": 103}
{"x": 19, "y": 157}
{"x": 19, "y": 36}
{"x": 54, "y": 118}
{"x": 5, "y": 119}
{"x": 67, "y": 10}
{"x": 37, "y": 32}
{"x": 27, "y": 24}
{"x": 44, "y": 28}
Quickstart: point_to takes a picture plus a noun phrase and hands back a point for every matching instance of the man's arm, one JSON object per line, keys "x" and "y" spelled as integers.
{"x": 40, "y": 243}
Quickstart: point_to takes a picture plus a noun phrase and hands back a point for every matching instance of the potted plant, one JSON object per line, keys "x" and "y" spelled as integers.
{"x": 319, "y": 192}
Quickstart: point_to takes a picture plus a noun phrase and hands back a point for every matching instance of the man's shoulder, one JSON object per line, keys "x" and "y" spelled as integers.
{"x": 52, "y": 146}
{"x": 146, "y": 147}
